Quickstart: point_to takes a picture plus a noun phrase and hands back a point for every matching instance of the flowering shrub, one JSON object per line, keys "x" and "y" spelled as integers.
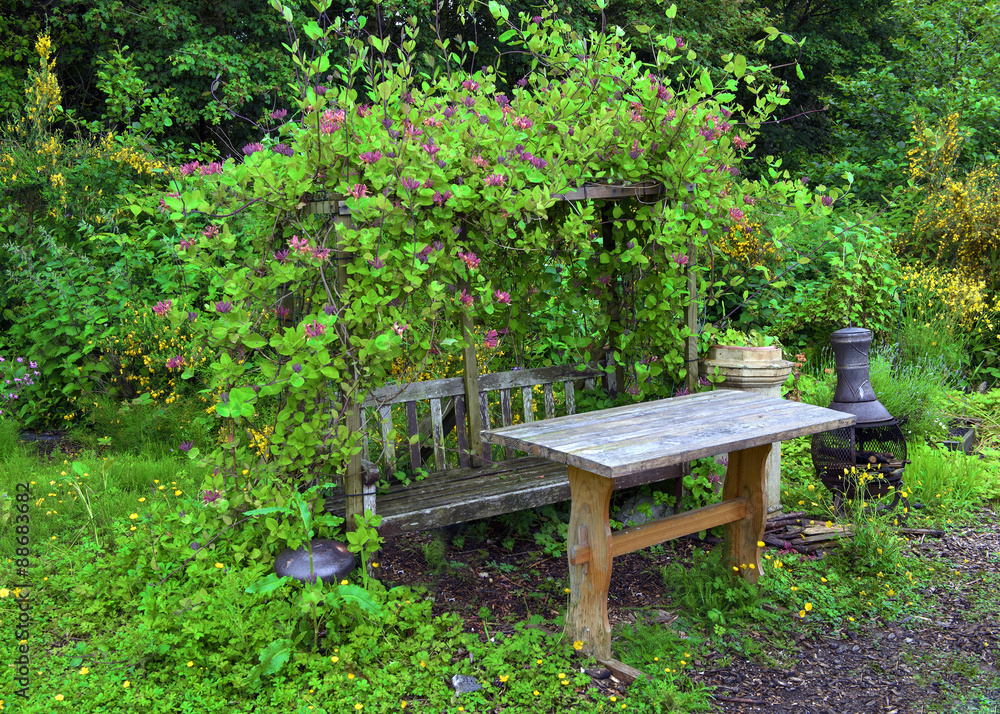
{"x": 745, "y": 243}
{"x": 452, "y": 186}
{"x": 957, "y": 224}
{"x": 16, "y": 376}
{"x": 950, "y": 317}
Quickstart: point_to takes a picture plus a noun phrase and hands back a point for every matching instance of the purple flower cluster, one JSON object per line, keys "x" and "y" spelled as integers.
{"x": 315, "y": 329}
{"x": 470, "y": 259}
{"x": 15, "y": 378}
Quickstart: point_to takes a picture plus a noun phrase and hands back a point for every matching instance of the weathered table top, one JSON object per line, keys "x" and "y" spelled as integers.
{"x": 623, "y": 440}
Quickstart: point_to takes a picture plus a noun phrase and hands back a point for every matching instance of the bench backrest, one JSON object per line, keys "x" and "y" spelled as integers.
{"x": 427, "y": 428}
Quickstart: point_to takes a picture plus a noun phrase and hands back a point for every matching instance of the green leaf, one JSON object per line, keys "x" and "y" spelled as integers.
{"x": 706, "y": 83}
{"x": 739, "y": 66}
{"x": 356, "y": 595}
{"x": 275, "y": 655}
{"x": 266, "y": 585}
{"x": 672, "y": 12}
{"x": 265, "y": 511}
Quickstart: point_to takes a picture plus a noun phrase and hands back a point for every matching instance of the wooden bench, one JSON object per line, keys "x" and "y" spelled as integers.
{"x": 470, "y": 480}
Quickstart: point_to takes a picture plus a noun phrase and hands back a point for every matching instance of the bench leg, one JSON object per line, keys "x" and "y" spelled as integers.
{"x": 745, "y": 478}
{"x": 587, "y": 614}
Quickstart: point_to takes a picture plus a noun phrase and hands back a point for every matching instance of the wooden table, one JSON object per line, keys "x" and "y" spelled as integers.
{"x": 603, "y": 446}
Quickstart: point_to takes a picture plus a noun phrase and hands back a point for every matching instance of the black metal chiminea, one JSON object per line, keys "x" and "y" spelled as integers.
{"x": 873, "y": 451}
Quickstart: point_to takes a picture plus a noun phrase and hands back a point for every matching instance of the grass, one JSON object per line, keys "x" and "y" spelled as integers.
{"x": 128, "y": 614}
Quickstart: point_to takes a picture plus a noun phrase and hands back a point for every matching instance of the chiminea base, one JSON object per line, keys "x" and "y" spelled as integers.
{"x": 865, "y": 462}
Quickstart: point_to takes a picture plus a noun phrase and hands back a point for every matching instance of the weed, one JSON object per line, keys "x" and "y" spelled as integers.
{"x": 949, "y": 484}
{"x": 10, "y": 434}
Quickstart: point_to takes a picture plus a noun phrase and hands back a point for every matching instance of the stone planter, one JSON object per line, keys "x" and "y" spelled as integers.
{"x": 760, "y": 370}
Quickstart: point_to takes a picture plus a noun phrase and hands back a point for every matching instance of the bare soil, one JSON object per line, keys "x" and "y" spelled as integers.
{"x": 942, "y": 662}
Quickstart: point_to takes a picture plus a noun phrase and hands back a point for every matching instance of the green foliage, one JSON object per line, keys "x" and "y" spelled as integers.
{"x": 667, "y": 657}
{"x": 10, "y": 435}
{"x": 837, "y": 274}
{"x": 914, "y": 393}
{"x": 986, "y": 408}
{"x": 949, "y": 484}
{"x": 709, "y": 592}
{"x": 443, "y": 210}
{"x": 745, "y": 339}
{"x": 874, "y": 546}
{"x": 704, "y": 483}
{"x": 944, "y": 62}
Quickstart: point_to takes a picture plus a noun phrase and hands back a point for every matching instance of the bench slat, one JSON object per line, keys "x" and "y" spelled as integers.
{"x": 528, "y": 397}
{"x": 415, "y": 391}
{"x": 570, "y": 398}
{"x": 364, "y": 434}
{"x": 459, "y": 495}
{"x": 388, "y": 443}
{"x": 484, "y": 414}
{"x": 438, "y": 433}
{"x": 550, "y": 401}
{"x": 505, "y": 413}
{"x": 530, "y": 377}
{"x": 413, "y": 431}
{"x": 506, "y": 418}
{"x": 463, "y": 441}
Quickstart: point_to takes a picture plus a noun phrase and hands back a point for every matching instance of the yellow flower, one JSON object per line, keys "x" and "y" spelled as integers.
{"x": 760, "y": 544}
{"x": 219, "y": 565}
{"x": 359, "y": 706}
{"x": 133, "y": 516}
{"x": 4, "y": 592}
{"x": 578, "y": 645}
{"x": 127, "y": 684}
{"x": 190, "y": 664}
{"x": 84, "y": 670}
{"x": 59, "y": 697}
{"x": 809, "y": 606}
{"x": 504, "y": 677}
{"x": 350, "y": 675}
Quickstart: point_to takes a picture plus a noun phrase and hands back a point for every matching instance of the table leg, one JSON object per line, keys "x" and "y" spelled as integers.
{"x": 745, "y": 478}
{"x": 587, "y": 614}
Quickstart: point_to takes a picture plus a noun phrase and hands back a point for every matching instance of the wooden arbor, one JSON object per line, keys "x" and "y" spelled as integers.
{"x": 612, "y": 306}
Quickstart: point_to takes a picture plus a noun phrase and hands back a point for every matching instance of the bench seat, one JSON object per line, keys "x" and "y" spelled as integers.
{"x": 466, "y": 494}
